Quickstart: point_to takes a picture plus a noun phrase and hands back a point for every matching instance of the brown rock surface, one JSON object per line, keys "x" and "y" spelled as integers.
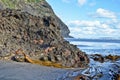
{"x": 37, "y": 8}
{"x": 39, "y": 37}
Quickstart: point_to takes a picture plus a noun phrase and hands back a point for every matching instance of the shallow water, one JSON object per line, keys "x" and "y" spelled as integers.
{"x": 96, "y": 70}
{"x": 107, "y": 70}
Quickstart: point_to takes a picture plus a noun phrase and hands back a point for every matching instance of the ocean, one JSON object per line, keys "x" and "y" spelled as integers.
{"x": 97, "y": 46}
{"x": 108, "y": 70}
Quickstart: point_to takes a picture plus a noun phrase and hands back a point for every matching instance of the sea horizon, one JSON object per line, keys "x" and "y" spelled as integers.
{"x": 97, "y": 46}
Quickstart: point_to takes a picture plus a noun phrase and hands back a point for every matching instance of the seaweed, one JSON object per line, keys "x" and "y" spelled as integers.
{"x": 39, "y": 62}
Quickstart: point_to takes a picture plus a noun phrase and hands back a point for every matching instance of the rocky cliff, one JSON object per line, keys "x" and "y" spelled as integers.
{"x": 38, "y": 36}
{"x": 37, "y": 8}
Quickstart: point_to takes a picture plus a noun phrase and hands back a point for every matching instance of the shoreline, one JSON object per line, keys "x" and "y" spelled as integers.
{"x": 11, "y": 70}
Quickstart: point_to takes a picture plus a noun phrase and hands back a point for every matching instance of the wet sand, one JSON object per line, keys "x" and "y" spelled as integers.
{"x": 25, "y": 71}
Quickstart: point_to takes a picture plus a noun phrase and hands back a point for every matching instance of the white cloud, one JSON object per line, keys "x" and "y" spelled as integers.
{"x": 84, "y": 23}
{"x": 105, "y": 26}
{"x": 82, "y": 2}
{"x": 90, "y": 29}
{"x": 103, "y": 13}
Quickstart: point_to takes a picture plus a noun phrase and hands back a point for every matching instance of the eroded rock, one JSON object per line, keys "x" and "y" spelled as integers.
{"x": 39, "y": 37}
{"x": 37, "y": 8}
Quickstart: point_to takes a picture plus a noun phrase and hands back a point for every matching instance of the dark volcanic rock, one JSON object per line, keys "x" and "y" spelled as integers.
{"x": 98, "y": 57}
{"x": 39, "y": 37}
{"x": 37, "y": 8}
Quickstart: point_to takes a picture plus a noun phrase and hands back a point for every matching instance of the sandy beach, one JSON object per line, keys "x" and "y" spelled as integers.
{"x": 26, "y": 71}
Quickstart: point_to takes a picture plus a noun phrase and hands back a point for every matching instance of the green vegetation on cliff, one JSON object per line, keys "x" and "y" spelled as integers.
{"x": 14, "y": 4}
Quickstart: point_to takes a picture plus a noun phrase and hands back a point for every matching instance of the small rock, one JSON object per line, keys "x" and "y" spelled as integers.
{"x": 98, "y": 57}
{"x": 112, "y": 57}
{"x": 81, "y": 77}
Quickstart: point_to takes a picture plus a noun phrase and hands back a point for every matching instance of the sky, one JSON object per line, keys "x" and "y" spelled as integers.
{"x": 89, "y": 18}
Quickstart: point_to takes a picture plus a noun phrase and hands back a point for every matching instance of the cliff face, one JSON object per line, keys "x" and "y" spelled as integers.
{"x": 37, "y": 36}
{"x": 37, "y": 8}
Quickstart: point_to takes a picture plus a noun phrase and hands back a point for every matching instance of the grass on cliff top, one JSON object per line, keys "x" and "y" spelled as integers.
{"x": 14, "y": 3}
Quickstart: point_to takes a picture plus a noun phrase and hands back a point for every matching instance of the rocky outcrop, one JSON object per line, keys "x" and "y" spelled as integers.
{"x": 39, "y": 37}
{"x": 37, "y": 8}
{"x": 101, "y": 67}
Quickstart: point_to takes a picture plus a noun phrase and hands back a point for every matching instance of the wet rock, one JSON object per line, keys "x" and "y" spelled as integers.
{"x": 101, "y": 58}
{"x": 81, "y": 77}
{"x": 97, "y": 57}
{"x": 93, "y": 72}
{"x": 118, "y": 78}
{"x": 108, "y": 70}
{"x": 19, "y": 58}
{"x": 112, "y": 57}
{"x": 39, "y": 39}
{"x": 114, "y": 71}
